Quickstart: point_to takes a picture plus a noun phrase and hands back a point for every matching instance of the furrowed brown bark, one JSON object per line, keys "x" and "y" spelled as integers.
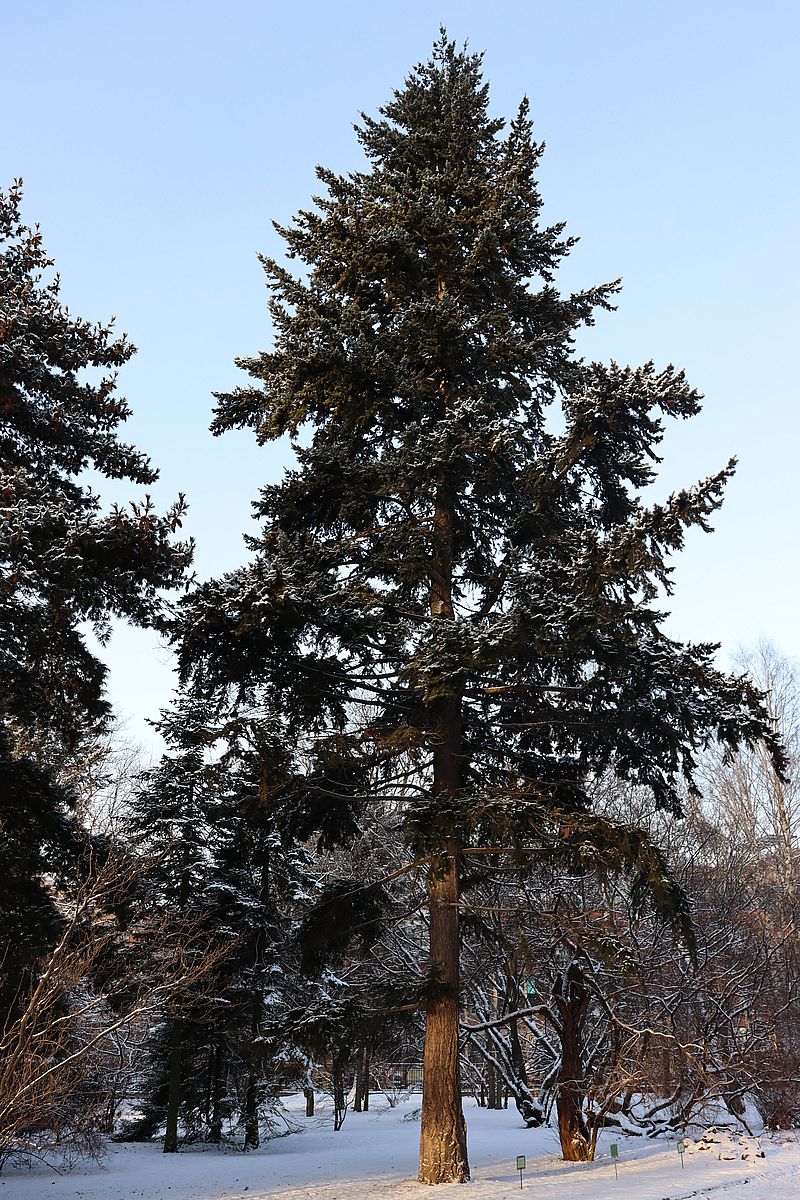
{"x": 572, "y": 999}
{"x": 443, "y": 1133}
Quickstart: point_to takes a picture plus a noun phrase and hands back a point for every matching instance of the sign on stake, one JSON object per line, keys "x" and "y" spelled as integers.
{"x": 614, "y": 1156}
{"x": 682, "y": 1151}
{"x": 520, "y": 1167}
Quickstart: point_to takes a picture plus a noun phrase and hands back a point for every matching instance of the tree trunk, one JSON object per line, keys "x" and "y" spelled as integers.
{"x": 367, "y": 1065}
{"x": 174, "y": 1094}
{"x": 443, "y": 1133}
{"x": 252, "y": 1137}
{"x": 572, "y": 1000}
{"x": 308, "y": 1092}
{"x": 358, "y": 1083}
{"x": 338, "y": 1063}
{"x": 492, "y": 1090}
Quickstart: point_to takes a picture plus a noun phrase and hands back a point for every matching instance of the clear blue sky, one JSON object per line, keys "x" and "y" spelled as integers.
{"x": 158, "y": 140}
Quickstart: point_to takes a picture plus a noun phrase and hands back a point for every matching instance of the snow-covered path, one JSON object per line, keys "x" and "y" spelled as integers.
{"x": 374, "y": 1156}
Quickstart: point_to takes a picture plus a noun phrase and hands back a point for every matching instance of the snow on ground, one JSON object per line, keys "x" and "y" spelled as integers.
{"x": 374, "y": 1157}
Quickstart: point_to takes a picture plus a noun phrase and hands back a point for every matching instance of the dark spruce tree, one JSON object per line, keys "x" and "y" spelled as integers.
{"x": 478, "y": 578}
{"x": 64, "y": 565}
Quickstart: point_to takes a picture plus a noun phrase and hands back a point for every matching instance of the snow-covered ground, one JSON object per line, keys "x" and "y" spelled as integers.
{"x": 374, "y": 1158}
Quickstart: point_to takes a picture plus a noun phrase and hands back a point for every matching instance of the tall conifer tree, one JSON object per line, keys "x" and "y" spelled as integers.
{"x": 479, "y": 578}
{"x": 65, "y": 565}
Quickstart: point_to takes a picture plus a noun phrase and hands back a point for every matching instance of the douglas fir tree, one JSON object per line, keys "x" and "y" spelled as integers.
{"x": 477, "y": 577}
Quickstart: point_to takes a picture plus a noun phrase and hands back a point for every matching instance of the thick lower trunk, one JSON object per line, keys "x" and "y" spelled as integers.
{"x": 309, "y": 1095}
{"x": 576, "y": 1143}
{"x": 572, "y": 1131}
{"x": 443, "y": 1136}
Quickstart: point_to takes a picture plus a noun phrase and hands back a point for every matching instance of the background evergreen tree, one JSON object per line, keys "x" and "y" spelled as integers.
{"x": 64, "y": 564}
{"x": 462, "y": 549}
{"x": 221, "y": 869}
{"x": 262, "y": 880}
{"x": 169, "y": 830}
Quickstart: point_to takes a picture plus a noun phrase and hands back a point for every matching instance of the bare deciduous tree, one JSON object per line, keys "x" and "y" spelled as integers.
{"x": 66, "y": 1047}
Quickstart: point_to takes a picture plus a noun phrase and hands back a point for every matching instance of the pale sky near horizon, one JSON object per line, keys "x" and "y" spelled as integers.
{"x": 158, "y": 140}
